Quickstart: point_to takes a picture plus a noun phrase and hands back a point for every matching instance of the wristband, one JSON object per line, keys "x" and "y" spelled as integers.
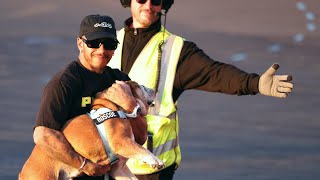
{"x": 83, "y": 164}
{"x": 136, "y": 112}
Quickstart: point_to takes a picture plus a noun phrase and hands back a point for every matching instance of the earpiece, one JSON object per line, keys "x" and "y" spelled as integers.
{"x": 166, "y": 4}
{"x": 125, "y": 3}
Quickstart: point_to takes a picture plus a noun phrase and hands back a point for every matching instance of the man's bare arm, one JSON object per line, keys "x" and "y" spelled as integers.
{"x": 120, "y": 94}
{"x": 58, "y": 147}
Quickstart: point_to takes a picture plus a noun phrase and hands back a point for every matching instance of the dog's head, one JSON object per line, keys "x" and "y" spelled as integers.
{"x": 144, "y": 96}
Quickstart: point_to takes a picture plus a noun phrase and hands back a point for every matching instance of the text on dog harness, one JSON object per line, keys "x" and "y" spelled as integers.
{"x": 103, "y": 114}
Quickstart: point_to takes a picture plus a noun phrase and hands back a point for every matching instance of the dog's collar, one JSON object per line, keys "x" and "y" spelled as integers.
{"x": 103, "y": 114}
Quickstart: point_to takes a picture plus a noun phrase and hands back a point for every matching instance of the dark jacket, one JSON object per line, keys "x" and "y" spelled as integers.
{"x": 195, "y": 69}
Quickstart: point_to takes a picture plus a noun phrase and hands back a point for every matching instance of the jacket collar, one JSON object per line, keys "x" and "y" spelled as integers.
{"x": 155, "y": 27}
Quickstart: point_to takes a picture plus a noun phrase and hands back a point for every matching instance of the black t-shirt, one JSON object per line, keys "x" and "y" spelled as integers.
{"x": 70, "y": 92}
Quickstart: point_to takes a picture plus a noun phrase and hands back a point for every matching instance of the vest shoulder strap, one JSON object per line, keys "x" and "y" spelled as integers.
{"x": 164, "y": 104}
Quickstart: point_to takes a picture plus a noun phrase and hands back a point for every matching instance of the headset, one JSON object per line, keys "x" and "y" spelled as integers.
{"x": 166, "y": 4}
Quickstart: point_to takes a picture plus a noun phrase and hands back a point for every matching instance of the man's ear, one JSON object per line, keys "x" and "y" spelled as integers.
{"x": 80, "y": 44}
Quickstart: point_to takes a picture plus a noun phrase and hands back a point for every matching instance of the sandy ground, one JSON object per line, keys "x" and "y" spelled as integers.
{"x": 223, "y": 137}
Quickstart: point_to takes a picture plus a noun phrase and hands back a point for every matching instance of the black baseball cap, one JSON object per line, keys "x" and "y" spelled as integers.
{"x": 98, "y": 27}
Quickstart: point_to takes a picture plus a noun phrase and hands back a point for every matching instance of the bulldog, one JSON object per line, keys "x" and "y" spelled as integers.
{"x": 97, "y": 135}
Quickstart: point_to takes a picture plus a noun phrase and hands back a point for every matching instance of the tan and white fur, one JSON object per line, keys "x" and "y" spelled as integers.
{"x": 84, "y": 137}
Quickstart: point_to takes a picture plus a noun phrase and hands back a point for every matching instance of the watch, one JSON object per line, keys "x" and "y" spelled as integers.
{"x": 136, "y": 112}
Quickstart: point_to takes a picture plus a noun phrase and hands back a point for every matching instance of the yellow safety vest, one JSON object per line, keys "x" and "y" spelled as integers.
{"x": 162, "y": 118}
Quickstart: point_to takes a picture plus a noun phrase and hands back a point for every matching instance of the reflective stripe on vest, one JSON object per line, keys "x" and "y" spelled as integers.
{"x": 162, "y": 119}
{"x": 168, "y": 145}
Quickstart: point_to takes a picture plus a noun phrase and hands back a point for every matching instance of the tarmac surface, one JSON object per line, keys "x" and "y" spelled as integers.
{"x": 222, "y": 137}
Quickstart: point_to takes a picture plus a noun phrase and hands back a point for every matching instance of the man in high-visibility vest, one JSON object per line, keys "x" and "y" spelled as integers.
{"x": 154, "y": 57}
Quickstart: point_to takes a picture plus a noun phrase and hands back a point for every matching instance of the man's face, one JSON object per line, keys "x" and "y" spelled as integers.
{"x": 144, "y": 14}
{"x": 94, "y": 58}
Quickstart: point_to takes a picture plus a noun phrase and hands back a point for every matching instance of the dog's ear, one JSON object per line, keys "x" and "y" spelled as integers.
{"x": 133, "y": 86}
{"x": 141, "y": 92}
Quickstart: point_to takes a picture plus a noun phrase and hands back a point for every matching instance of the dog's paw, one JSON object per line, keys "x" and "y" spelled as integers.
{"x": 155, "y": 163}
{"x": 160, "y": 165}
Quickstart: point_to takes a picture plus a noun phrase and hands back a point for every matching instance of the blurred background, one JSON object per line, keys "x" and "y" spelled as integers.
{"x": 222, "y": 137}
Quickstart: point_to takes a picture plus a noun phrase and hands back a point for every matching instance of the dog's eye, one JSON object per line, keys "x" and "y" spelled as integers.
{"x": 151, "y": 103}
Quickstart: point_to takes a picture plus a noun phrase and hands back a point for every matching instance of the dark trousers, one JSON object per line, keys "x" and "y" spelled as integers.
{"x": 165, "y": 174}
{"x": 89, "y": 178}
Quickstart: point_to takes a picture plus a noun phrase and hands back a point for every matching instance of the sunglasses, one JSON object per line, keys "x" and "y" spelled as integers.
{"x": 108, "y": 44}
{"x": 153, "y": 2}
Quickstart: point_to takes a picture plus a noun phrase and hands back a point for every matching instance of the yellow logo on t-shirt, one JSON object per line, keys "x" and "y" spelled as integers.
{"x": 85, "y": 101}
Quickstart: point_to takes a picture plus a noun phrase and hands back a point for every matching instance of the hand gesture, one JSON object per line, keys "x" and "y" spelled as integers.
{"x": 275, "y": 85}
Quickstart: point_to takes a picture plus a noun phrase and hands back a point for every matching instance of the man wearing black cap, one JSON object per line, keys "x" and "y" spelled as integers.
{"x": 69, "y": 93}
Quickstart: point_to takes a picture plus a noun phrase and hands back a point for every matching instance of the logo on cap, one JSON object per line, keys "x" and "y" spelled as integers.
{"x": 103, "y": 24}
